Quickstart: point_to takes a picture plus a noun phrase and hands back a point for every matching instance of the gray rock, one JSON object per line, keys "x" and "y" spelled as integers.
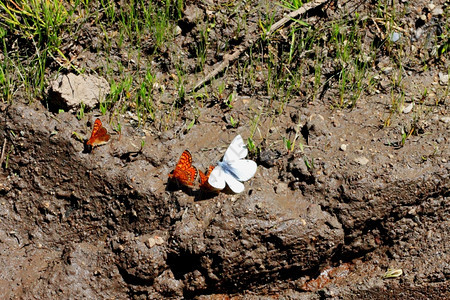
{"x": 437, "y": 11}
{"x": 362, "y": 160}
{"x": 395, "y": 36}
{"x": 443, "y": 78}
{"x": 315, "y": 129}
{"x": 69, "y": 91}
{"x": 408, "y": 108}
{"x": 445, "y": 120}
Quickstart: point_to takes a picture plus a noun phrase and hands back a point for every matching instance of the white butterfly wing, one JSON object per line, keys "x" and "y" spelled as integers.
{"x": 216, "y": 178}
{"x": 242, "y": 169}
{"x": 236, "y": 186}
{"x": 236, "y": 150}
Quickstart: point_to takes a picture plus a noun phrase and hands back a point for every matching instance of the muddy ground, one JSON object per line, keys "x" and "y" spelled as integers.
{"x": 322, "y": 222}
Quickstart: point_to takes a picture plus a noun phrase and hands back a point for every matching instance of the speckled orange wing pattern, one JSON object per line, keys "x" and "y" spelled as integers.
{"x": 204, "y": 185}
{"x": 184, "y": 172}
{"x": 99, "y": 135}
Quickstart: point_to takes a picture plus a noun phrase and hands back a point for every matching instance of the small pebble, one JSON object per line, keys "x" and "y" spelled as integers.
{"x": 362, "y": 160}
{"x": 395, "y": 36}
{"x": 437, "y": 11}
{"x": 387, "y": 70}
{"x": 445, "y": 120}
{"x": 408, "y": 108}
{"x": 343, "y": 147}
{"x": 151, "y": 242}
{"x": 159, "y": 240}
{"x": 443, "y": 78}
{"x": 178, "y": 30}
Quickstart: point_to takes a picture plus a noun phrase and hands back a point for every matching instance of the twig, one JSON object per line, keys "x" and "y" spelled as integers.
{"x": 2, "y": 157}
{"x": 227, "y": 58}
{"x": 294, "y": 14}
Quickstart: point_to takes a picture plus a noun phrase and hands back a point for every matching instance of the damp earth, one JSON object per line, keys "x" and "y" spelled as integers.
{"x": 343, "y": 192}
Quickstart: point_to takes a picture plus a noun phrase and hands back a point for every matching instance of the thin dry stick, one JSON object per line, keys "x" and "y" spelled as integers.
{"x": 227, "y": 58}
{"x": 2, "y": 157}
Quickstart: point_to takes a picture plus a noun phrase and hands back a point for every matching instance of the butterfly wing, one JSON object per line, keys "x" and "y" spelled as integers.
{"x": 203, "y": 177}
{"x": 99, "y": 134}
{"x": 185, "y": 161}
{"x": 204, "y": 185}
{"x": 184, "y": 172}
{"x": 101, "y": 137}
{"x": 242, "y": 169}
{"x": 236, "y": 150}
{"x": 191, "y": 175}
{"x": 216, "y": 178}
{"x": 96, "y": 128}
{"x": 236, "y": 186}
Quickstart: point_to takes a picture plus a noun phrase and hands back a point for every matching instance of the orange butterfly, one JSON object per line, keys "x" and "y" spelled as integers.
{"x": 204, "y": 185}
{"x": 184, "y": 172}
{"x": 99, "y": 135}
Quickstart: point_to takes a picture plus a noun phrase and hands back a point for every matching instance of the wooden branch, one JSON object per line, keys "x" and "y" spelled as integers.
{"x": 228, "y": 58}
{"x": 2, "y": 157}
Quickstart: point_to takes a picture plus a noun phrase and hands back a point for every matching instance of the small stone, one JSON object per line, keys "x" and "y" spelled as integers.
{"x": 408, "y": 108}
{"x": 443, "y": 78}
{"x": 412, "y": 211}
{"x": 159, "y": 240}
{"x": 387, "y": 70}
{"x": 178, "y": 30}
{"x": 395, "y": 36}
{"x": 343, "y": 147}
{"x": 150, "y": 242}
{"x": 362, "y": 160}
{"x": 419, "y": 33}
{"x": 437, "y": 11}
{"x": 445, "y": 120}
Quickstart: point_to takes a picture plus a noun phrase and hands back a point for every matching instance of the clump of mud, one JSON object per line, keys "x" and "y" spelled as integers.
{"x": 322, "y": 220}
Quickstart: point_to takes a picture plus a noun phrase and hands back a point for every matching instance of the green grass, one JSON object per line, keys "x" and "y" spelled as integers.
{"x": 138, "y": 51}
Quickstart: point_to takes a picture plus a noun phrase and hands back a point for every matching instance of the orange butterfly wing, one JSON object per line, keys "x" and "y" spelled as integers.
{"x": 184, "y": 172}
{"x": 99, "y": 134}
{"x": 204, "y": 185}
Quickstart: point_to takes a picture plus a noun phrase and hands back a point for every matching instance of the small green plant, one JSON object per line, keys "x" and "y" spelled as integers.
{"x": 288, "y": 144}
{"x": 220, "y": 90}
{"x": 118, "y": 128}
{"x": 291, "y": 4}
{"x": 7, "y": 159}
{"x": 404, "y": 136}
{"x": 103, "y": 107}
{"x": 202, "y": 46}
{"x": 190, "y": 125}
{"x": 266, "y": 24}
{"x": 228, "y": 101}
{"x": 309, "y": 163}
{"x": 78, "y": 136}
{"x": 80, "y": 112}
{"x": 424, "y": 96}
{"x": 233, "y": 122}
{"x": 251, "y": 145}
{"x": 142, "y": 145}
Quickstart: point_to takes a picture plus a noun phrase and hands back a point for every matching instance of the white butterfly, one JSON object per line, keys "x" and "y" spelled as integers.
{"x": 233, "y": 168}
